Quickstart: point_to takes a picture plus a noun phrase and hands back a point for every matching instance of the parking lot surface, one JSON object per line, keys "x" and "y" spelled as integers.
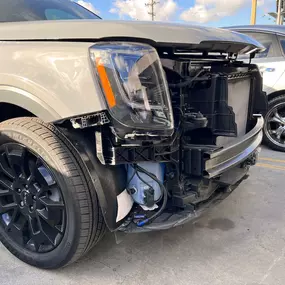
{"x": 240, "y": 242}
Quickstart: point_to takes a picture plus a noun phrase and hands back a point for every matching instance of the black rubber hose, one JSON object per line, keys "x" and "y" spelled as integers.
{"x": 165, "y": 196}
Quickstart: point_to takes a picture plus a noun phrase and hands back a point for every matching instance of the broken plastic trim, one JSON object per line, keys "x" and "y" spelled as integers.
{"x": 91, "y": 120}
{"x": 182, "y": 217}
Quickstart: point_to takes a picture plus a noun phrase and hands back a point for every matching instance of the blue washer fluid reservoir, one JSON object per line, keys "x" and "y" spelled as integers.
{"x": 137, "y": 187}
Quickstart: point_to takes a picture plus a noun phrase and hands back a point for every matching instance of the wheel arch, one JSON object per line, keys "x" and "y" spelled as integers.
{"x": 108, "y": 181}
{"x": 15, "y": 102}
{"x": 275, "y": 94}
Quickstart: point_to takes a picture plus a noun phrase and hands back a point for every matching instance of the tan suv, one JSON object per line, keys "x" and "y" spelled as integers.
{"x": 128, "y": 126}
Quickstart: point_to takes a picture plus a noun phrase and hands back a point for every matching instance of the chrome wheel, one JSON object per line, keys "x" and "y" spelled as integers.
{"x": 275, "y": 125}
{"x": 32, "y": 210}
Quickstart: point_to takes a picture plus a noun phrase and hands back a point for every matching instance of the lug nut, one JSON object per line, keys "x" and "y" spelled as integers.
{"x": 26, "y": 186}
{"x": 22, "y": 203}
{"x": 31, "y": 208}
{"x": 34, "y": 197}
{"x": 19, "y": 190}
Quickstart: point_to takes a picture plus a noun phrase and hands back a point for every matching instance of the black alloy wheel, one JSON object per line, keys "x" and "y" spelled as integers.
{"x": 32, "y": 210}
{"x": 49, "y": 210}
{"x": 274, "y": 127}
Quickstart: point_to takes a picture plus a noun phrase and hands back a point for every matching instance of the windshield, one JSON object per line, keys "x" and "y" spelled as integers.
{"x": 36, "y": 10}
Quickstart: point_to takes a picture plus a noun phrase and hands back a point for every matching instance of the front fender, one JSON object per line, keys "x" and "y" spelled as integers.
{"x": 53, "y": 80}
{"x": 28, "y": 102}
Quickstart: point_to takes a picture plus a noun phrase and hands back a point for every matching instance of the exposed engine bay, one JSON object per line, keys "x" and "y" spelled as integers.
{"x": 165, "y": 176}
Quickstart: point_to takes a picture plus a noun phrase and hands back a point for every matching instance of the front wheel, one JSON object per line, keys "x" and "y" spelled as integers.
{"x": 274, "y": 127}
{"x": 49, "y": 212}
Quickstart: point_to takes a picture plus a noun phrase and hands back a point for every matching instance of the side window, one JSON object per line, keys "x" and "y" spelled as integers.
{"x": 282, "y": 43}
{"x": 269, "y": 42}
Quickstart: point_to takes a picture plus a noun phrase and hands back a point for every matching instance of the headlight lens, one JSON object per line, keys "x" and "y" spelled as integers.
{"x": 134, "y": 85}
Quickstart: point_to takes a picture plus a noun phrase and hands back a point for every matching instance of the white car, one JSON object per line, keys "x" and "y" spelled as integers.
{"x": 272, "y": 64}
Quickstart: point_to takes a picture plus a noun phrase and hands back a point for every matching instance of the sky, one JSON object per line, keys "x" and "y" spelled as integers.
{"x": 215, "y": 13}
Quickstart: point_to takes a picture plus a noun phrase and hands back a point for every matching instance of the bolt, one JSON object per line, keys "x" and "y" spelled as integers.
{"x": 171, "y": 175}
{"x": 22, "y": 203}
{"x": 31, "y": 208}
{"x": 19, "y": 190}
{"x": 26, "y": 186}
{"x": 132, "y": 191}
{"x": 34, "y": 197}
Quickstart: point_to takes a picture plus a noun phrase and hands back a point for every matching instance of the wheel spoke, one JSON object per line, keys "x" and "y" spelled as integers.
{"x": 7, "y": 207}
{"x": 59, "y": 228}
{"x": 5, "y": 168}
{"x": 50, "y": 238}
{"x": 277, "y": 133}
{"x": 15, "y": 229}
{"x": 51, "y": 241}
{"x": 43, "y": 213}
{"x": 52, "y": 218}
{"x": 16, "y": 159}
{"x": 6, "y": 183}
{"x": 277, "y": 118}
{"x": 40, "y": 174}
{"x": 51, "y": 204}
{"x": 30, "y": 179}
{"x": 16, "y": 234}
{"x": 9, "y": 219}
{"x": 44, "y": 235}
{"x": 44, "y": 173}
{"x": 33, "y": 225}
{"x": 5, "y": 192}
{"x": 31, "y": 245}
{"x": 32, "y": 165}
{"x": 21, "y": 222}
{"x": 39, "y": 177}
{"x": 37, "y": 237}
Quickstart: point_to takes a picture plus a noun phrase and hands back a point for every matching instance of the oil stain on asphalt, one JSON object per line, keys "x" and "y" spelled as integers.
{"x": 222, "y": 224}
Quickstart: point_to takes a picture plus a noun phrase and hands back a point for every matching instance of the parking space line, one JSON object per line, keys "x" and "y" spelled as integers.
{"x": 265, "y": 165}
{"x": 271, "y": 159}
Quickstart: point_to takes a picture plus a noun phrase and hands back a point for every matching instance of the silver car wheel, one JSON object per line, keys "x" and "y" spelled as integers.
{"x": 275, "y": 125}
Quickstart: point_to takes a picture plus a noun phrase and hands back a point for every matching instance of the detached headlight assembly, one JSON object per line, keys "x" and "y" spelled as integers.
{"x": 134, "y": 85}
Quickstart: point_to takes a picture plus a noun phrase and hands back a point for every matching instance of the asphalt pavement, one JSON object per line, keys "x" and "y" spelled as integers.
{"x": 240, "y": 242}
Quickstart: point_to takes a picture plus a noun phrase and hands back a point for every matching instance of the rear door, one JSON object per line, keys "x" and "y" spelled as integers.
{"x": 280, "y": 84}
{"x": 271, "y": 62}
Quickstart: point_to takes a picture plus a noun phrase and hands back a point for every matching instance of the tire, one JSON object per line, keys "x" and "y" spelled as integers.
{"x": 270, "y": 139}
{"x": 70, "y": 199}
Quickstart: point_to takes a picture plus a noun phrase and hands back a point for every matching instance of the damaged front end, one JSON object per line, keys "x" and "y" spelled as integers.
{"x": 182, "y": 128}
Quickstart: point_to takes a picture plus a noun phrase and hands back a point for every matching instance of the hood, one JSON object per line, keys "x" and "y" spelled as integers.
{"x": 156, "y": 33}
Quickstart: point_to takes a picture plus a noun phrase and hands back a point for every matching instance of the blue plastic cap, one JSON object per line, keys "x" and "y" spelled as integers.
{"x": 142, "y": 223}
